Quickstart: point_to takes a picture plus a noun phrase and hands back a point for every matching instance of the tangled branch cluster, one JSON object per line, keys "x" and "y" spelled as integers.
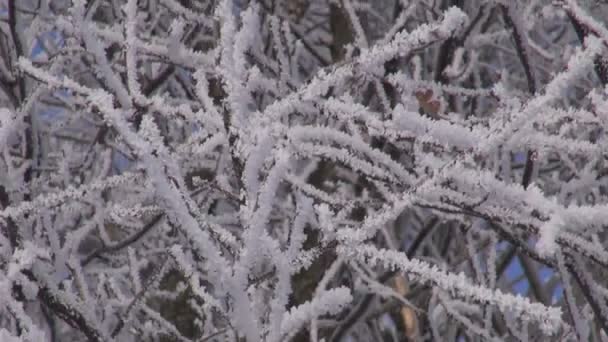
{"x": 310, "y": 170}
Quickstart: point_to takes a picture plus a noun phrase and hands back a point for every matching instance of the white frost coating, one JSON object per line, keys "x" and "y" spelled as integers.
{"x": 441, "y": 131}
{"x": 549, "y": 231}
{"x": 577, "y": 219}
{"x": 597, "y": 28}
{"x": 403, "y": 43}
{"x": 329, "y": 302}
{"x": 6, "y": 336}
{"x": 549, "y": 318}
{"x": 7, "y": 125}
{"x": 251, "y": 162}
{"x": 53, "y": 199}
{"x": 578, "y": 65}
{"x": 105, "y": 70}
{"x": 131, "y": 42}
{"x": 25, "y": 257}
{"x": 324, "y": 135}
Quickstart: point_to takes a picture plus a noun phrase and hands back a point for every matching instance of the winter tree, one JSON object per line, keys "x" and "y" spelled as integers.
{"x": 303, "y": 170}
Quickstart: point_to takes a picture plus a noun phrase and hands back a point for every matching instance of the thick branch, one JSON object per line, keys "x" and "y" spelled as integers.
{"x": 12, "y": 24}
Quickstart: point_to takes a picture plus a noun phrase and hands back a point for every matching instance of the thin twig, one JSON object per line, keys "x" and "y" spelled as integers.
{"x": 124, "y": 243}
{"x": 354, "y": 316}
